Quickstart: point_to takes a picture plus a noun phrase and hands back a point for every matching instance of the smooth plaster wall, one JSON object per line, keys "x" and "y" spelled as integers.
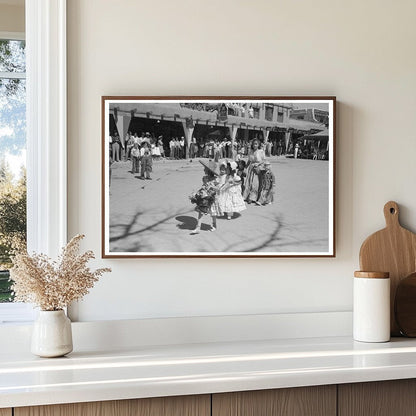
{"x": 360, "y": 51}
{"x": 12, "y": 18}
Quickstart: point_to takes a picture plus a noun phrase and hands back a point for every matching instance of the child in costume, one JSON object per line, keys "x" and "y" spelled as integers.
{"x": 205, "y": 198}
{"x": 241, "y": 172}
{"x": 230, "y": 199}
{"x": 267, "y": 182}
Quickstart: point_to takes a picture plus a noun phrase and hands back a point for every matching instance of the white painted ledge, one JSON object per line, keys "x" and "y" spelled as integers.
{"x": 169, "y": 370}
{"x": 174, "y": 356}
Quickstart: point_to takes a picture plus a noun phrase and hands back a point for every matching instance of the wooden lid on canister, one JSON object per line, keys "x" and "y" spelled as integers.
{"x": 372, "y": 275}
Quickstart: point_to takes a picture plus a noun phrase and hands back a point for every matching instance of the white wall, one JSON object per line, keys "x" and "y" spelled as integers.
{"x": 361, "y": 51}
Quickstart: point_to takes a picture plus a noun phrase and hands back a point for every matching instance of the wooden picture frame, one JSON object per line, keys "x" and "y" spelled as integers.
{"x": 181, "y": 143}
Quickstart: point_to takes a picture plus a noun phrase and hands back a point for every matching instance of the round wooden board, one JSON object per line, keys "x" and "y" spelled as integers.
{"x": 405, "y": 305}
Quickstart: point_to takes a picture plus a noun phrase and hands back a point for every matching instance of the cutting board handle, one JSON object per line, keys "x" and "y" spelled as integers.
{"x": 391, "y": 214}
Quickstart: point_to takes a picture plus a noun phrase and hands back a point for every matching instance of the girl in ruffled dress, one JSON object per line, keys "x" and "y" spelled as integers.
{"x": 230, "y": 200}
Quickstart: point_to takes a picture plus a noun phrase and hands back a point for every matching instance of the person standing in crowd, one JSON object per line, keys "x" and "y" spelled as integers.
{"x": 217, "y": 151}
{"x": 197, "y": 146}
{"x": 116, "y": 147}
{"x": 268, "y": 149}
{"x": 192, "y": 152}
{"x": 228, "y": 148}
{"x": 177, "y": 148}
{"x": 274, "y": 148}
{"x": 110, "y": 163}
{"x": 280, "y": 148}
{"x": 129, "y": 146}
{"x": 142, "y": 138}
{"x": 155, "y": 151}
{"x": 211, "y": 149}
{"x": 233, "y": 148}
{"x": 252, "y": 186}
{"x": 160, "y": 146}
{"x": 296, "y": 150}
{"x": 223, "y": 149}
{"x": 182, "y": 148}
{"x": 268, "y": 182}
{"x": 135, "y": 157}
{"x": 146, "y": 161}
{"x": 172, "y": 148}
{"x": 136, "y": 139}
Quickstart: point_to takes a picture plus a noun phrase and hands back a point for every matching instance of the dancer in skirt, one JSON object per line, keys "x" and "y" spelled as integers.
{"x": 252, "y": 183}
{"x": 205, "y": 198}
{"x": 230, "y": 199}
{"x": 268, "y": 182}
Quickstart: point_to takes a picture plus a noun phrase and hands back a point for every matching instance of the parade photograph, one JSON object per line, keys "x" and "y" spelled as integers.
{"x": 220, "y": 177}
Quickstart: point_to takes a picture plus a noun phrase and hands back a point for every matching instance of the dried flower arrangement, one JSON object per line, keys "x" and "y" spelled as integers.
{"x": 53, "y": 285}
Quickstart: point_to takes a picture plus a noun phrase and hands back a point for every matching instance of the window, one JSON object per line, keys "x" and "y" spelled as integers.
{"x": 12, "y": 166}
{"x": 12, "y": 155}
{"x": 46, "y": 134}
{"x": 269, "y": 113}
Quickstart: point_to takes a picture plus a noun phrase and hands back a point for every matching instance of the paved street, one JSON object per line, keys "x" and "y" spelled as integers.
{"x": 157, "y": 216}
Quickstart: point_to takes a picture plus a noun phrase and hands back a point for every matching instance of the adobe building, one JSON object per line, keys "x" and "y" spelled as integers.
{"x": 192, "y": 120}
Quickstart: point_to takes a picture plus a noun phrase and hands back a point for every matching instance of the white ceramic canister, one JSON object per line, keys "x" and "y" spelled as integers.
{"x": 371, "y": 309}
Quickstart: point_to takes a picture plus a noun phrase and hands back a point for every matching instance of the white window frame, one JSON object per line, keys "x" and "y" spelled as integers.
{"x": 46, "y": 134}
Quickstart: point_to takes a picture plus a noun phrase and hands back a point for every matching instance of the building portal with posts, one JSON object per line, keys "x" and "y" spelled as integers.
{"x": 279, "y": 125}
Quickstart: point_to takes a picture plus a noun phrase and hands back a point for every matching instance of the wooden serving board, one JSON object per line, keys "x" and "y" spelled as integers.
{"x": 405, "y": 305}
{"x": 393, "y": 250}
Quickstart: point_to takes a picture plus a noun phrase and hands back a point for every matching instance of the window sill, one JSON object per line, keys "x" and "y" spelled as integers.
{"x": 16, "y": 313}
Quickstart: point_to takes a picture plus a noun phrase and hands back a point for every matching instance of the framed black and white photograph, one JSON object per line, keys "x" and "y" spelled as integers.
{"x": 218, "y": 176}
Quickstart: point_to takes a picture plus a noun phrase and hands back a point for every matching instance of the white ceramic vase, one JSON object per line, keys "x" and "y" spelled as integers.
{"x": 52, "y": 334}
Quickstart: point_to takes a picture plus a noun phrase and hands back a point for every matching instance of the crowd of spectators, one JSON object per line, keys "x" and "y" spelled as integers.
{"x": 233, "y": 109}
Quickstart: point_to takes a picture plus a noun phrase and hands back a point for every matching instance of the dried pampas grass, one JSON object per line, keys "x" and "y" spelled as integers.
{"x": 53, "y": 285}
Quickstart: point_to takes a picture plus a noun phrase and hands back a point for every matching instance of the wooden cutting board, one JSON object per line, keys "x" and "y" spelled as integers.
{"x": 405, "y": 306}
{"x": 392, "y": 250}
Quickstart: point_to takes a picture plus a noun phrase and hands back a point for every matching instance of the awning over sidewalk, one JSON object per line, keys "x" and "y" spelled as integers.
{"x": 321, "y": 135}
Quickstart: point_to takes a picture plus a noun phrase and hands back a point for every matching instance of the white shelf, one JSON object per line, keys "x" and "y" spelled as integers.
{"x": 151, "y": 371}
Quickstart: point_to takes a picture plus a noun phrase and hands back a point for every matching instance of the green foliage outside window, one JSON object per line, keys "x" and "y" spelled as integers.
{"x": 12, "y": 148}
